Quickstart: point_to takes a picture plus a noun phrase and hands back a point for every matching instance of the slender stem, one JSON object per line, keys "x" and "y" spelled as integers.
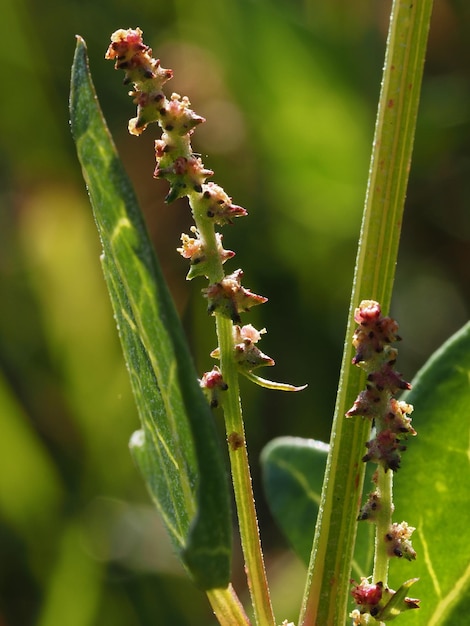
{"x": 240, "y": 469}
{"x": 247, "y": 520}
{"x": 384, "y": 521}
{"x": 327, "y": 589}
{"x": 227, "y": 607}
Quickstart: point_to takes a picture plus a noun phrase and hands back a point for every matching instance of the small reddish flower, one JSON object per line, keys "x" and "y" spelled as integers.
{"x": 212, "y": 384}
{"x": 229, "y": 298}
{"x": 367, "y": 594}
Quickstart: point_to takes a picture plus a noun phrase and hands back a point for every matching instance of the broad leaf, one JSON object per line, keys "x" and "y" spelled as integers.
{"x": 177, "y": 448}
{"x": 293, "y": 473}
{"x": 293, "y": 470}
{"x": 432, "y": 488}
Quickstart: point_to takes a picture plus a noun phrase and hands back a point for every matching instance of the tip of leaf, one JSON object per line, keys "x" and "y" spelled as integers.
{"x": 270, "y": 384}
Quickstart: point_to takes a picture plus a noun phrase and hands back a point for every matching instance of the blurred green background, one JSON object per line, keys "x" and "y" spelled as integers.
{"x": 289, "y": 89}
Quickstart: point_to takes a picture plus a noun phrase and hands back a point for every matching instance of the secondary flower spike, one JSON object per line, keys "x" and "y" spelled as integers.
{"x": 377, "y": 358}
{"x": 392, "y": 425}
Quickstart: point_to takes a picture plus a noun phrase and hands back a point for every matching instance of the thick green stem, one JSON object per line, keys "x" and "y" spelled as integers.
{"x": 327, "y": 589}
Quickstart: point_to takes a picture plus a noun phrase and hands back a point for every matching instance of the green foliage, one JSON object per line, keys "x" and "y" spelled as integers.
{"x": 254, "y": 70}
{"x": 293, "y": 471}
{"x": 176, "y": 449}
{"x": 431, "y": 489}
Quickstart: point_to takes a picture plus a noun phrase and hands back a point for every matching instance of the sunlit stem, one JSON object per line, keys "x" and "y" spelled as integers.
{"x": 227, "y": 607}
{"x": 241, "y": 478}
{"x": 383, "y": 523}
{"x": 240, "y": 469}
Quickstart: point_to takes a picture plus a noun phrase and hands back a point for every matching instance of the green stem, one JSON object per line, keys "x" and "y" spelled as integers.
{"x": 240, "y": 469}
{"x": 384, "y": 521}
{"x": 241, "y": 478}
{"x": 227, "y": 607}
{"x": 327, "y": 590}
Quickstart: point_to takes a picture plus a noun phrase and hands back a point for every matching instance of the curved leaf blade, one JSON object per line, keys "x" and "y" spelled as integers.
{"x": 293, "y": 474}
{"x": 432, "y": 490}
{"x": 177, "y": 448}
{"x": 293, "y": 470}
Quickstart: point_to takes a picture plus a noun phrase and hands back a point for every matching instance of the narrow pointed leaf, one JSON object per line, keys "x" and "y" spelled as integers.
{"x": 177, "y": 448}
{"x": 399, "y": 603}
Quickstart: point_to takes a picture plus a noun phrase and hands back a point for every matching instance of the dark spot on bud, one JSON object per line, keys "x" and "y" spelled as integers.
{"x": 169, "y": 127}
{"x": 163, "y": 111}
{"x": 210, "y": 214}
{"x": 198, "y": 188}
{"x": 148, "y": 74}
{"x": 207, "y": 194}
{"x": 127, "y": 80}
{"x": 374, "y": 611}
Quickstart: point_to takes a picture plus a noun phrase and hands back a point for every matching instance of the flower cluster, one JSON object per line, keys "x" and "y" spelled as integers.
{"x": 211, "y": 206}
{"x": 377, "y": 358}
{"x": 392, "y": 425}
{"x": 379, "y": 601}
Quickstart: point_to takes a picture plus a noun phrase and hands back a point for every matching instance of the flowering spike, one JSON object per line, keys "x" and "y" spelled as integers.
{"x": 390, "y": 416}
{"x": 375, "y": 355}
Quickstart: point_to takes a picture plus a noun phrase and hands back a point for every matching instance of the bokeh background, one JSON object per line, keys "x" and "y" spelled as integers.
{"x": 289, "y": 89}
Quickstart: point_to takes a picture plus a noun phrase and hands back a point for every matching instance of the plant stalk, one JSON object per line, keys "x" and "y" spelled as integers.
{"x": 327, "y": 589}
{"x": 240, "y": 469}
{"x": 227, "y": 607}
{"x": 384, "y": 521}
{"x": 241, "y": 478}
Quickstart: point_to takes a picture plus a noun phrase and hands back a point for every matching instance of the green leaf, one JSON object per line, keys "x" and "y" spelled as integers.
{"x": 293, "y": 473}
{"x": 177, "y": 448}
{"x": 398, "y": 603}
{"x": 293, "y": 470}
{"x": 431, "y": 490}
